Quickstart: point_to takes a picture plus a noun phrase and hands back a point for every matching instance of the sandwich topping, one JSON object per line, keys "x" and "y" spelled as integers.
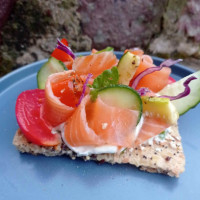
{"x": 98, "y": 104}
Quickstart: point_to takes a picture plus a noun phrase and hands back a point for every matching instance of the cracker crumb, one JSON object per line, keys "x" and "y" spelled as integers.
{"x": 173, "y": 145}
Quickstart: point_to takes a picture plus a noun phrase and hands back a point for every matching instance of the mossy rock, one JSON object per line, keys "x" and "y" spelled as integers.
{"x": 31, "y": 31}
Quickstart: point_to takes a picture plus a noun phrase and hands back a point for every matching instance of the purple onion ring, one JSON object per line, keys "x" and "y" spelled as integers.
{"x": 143, "y": 90}
{"x": 65, "y": 48}
{"x": 182, "y": 94}
{"x": 166, "y": 63}
{"x": 84, "y": 88}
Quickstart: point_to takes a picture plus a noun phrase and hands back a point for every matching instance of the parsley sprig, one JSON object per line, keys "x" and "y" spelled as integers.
{"x": 108, "y": 78}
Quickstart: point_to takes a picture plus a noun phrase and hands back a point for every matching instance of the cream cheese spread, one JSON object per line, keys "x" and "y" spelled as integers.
{"x": 89, "y": 150}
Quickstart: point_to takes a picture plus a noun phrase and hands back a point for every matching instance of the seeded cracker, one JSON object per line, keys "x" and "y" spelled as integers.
{"x": 155, "y": 156}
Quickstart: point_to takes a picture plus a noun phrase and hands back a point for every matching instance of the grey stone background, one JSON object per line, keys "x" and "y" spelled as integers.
{"x": 166, "y": 28}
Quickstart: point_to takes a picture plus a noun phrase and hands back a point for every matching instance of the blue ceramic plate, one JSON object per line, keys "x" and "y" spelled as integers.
{"x": 24, "y": 176}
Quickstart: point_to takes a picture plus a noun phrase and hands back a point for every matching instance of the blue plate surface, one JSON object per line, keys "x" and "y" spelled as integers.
{"x": 24, "y": 176}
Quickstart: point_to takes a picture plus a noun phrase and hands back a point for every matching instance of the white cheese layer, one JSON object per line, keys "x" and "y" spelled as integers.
{"x": 85, "y": 150}
{"x": 89, "y": 150}
{"x": 139, "y": 126}
{"x": 158, "y": 139}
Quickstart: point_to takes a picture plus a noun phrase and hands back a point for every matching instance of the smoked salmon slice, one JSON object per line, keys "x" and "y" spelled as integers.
{"x": 54, "y": 111}
{"x": 154, "y": 81}
{"x": 116, "y": 126}
{"x": 96, "y": 123}
{"x": 77, "y": 131}
{"x": 95, "y": 63}
{"x": 151, "y": 127}
{"x": 136, "y": 51}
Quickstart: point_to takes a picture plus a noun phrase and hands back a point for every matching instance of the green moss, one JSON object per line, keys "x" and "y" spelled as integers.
{"x": 33, "y": 24}
{"x": 67, "y": 4}
{"x": 172, "y": 14}
{"x": 27, "y": 21}
{"x": 6, "y": 64}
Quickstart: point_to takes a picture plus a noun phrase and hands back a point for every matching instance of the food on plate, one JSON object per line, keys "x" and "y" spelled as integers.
{"x": 101, "y": 108}
{"x": 94, "y": 63}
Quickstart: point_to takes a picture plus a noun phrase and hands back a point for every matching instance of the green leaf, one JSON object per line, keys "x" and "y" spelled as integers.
{"x": 106, "y": 49}
{"x": 162, "y": 135}
{"x": 107, "y": 78}
{"x": 93, "y": 94}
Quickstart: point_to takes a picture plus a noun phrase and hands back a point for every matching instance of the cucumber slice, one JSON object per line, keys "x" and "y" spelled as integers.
{"x": 127, "y": 67}
{"x": 50, "y": 67}
{"x": 161, "y": 108}
{"x": 122, "y": 96}
{"x": 186, "y": 103}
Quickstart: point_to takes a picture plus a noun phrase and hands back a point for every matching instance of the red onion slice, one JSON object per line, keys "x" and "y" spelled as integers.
{"x": 65, "y": 48}
{"x": 166, "y": 63}
{"x": 184, "y": 93}
{"x": 84, "y": 88}
{"x": 142, "y": 91}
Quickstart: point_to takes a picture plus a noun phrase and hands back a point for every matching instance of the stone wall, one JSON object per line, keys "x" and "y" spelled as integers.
{"x": 167, "y": 28}
{"x": 32, "y": 28}
{"x": 121, "y": 24}
{"x": 181, "y": 30}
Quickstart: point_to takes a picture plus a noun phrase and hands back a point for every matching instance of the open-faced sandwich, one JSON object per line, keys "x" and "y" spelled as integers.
{"x": 101, "y": 108}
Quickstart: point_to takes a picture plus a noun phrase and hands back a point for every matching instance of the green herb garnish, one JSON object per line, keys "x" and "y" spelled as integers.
{"x": 108, "y": 78}
{"x": 123, "y": 151}
{"x": 162, "y": 135}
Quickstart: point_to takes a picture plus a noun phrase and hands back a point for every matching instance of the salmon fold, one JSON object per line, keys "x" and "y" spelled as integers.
{"x": 97, "y": 123}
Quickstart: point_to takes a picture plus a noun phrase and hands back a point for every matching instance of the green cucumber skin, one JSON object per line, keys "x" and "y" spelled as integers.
{"x": 129, "y": 91}
{"x": 39, "y": 84}
{"x": 123, "y": 57}
{"x": 186, "y": 103}
{"x": 51, "y": 66}
{"x": 62, "y": 63}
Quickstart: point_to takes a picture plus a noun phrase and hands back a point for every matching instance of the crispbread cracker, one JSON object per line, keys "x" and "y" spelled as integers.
{"x": 157, "y": 157}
